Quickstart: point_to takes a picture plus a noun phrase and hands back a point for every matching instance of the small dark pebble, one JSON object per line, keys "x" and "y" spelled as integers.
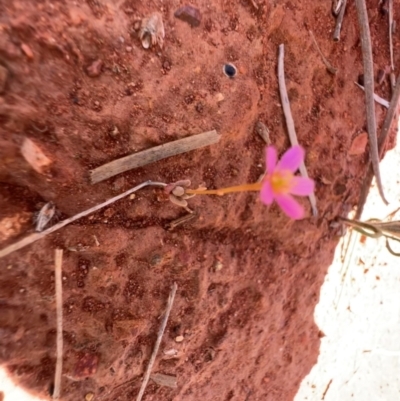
{"x": 189, "y": 14}
{"x": 230, "y": 70}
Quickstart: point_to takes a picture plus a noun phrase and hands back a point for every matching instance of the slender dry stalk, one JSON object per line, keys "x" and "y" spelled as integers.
{"x": 158, "y": 342}
{"x": 58, "y": 274}
{"x": 369, "y": 91}
{"x": 36, "y": 236}
{"x": 328, "y": 65}
{"x": 393, "y": 106}
{"x": 289, "y": 120}
{"x": 339, "y": 22}
{"x": 391, "y": 33}
{"x": 378, "y": 99}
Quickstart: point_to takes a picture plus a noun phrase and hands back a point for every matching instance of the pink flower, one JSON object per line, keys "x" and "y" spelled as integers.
{"x": 280, "y": 183}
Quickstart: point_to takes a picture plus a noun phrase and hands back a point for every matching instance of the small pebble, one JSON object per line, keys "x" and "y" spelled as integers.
{"x": 131, "y": 197}
{"x": 218, "y": 266}
{"x": 219, "y": 97}
{"x": 27, "y": 50}
{"x": 189, "y": 14}
{"x": 179, "y": 339}
{"x": 89, "y": 397}
{"x": 128, "y": 48}
{"x": 94, "y": 70}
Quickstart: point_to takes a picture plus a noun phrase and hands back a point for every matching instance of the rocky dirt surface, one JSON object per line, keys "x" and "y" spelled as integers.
{"x": 76, "y": 81}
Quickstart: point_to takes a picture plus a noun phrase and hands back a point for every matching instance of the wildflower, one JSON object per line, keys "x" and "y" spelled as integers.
{"x": 280, "y": 183}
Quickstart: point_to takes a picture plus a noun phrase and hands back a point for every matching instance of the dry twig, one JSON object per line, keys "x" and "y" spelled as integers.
{"x": 158, "y": 342}
{"x": 328, "y": 65}
{"x": 369, "y": 91}
{"x": 289, "y": 121}
{"x": 154, "y": 154}
{"x": 339, "y": 21}
{"x": 181, "y": 220}
{"x": 378, "y": 99}
{"x": 36, "y": 236}
{"x": 394, "y": 103}
{"x": 391, "y": 33}
{"x": 58, "y": 273}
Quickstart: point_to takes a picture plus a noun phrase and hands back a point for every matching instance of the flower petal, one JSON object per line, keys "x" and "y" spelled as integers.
{"x": 271, "y": 158}
{"x": 292, "y": 159}
{"x": 290, "y": 206}
{"x": 266, "y": 194}
{"x": 302, "y": 186}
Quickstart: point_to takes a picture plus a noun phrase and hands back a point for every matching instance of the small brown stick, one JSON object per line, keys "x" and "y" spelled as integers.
{"x": 369, "y": 91}
{"x": 391, "y": 33}
{"x": 326, "y": 389}
{"x": 154, "y": 154}
{"x": 58, "y": 273}
{"x": 339, "y": 22}
{"x": 378, "y": 99}
{"x": 36, "y": 236}
{"x": 394, "y": 103}
{"x": 328, "y": 65}
{"x": 158, "y": 342}
{"x": 289, "y": 121}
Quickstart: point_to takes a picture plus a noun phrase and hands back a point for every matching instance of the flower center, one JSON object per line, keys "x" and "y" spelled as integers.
{"x": 281, "y": 181}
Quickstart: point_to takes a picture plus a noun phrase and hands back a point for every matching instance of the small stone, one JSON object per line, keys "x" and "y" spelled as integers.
{"x": 132, "y": 197}
{"x": 189, "y": 14}
{"x": 179, "y": 339}
{"x": 219, "y": 97}
{"x": 359, "y": 144}
{"x": 218, "y": 266}
{"x": 94, "y": 70}
{"x": 89, "y": 397}
{"x": 27, "y": 50}
{"x": 128, "y": 48}
{"x": 3, "y": 78}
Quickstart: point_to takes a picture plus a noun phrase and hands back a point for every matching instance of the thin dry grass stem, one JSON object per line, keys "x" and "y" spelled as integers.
{"x": 377, "y": 98}
{"x": 369, "y": 91}
{"x": 58, "y": 278}
{"x": 36, "y": 236}
{"x": 393, "y": 106}
{"x": 328, "y": 65}
{"x": 289, "y": 121}
{"x": 158, "y": 342}
{"x": 391, "y": 33}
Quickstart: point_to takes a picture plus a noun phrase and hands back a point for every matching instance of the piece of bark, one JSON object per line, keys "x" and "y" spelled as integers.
{"x": 35, "y": 156}
{"x": 164, "y": 380}
{"x": 152, "y": 155}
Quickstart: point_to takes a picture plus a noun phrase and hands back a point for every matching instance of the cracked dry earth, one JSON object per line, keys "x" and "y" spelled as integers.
{"x": 76, "y": 81}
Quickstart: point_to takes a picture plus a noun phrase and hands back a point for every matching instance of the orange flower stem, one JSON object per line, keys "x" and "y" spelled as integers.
{"x": 222, "y": 191}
